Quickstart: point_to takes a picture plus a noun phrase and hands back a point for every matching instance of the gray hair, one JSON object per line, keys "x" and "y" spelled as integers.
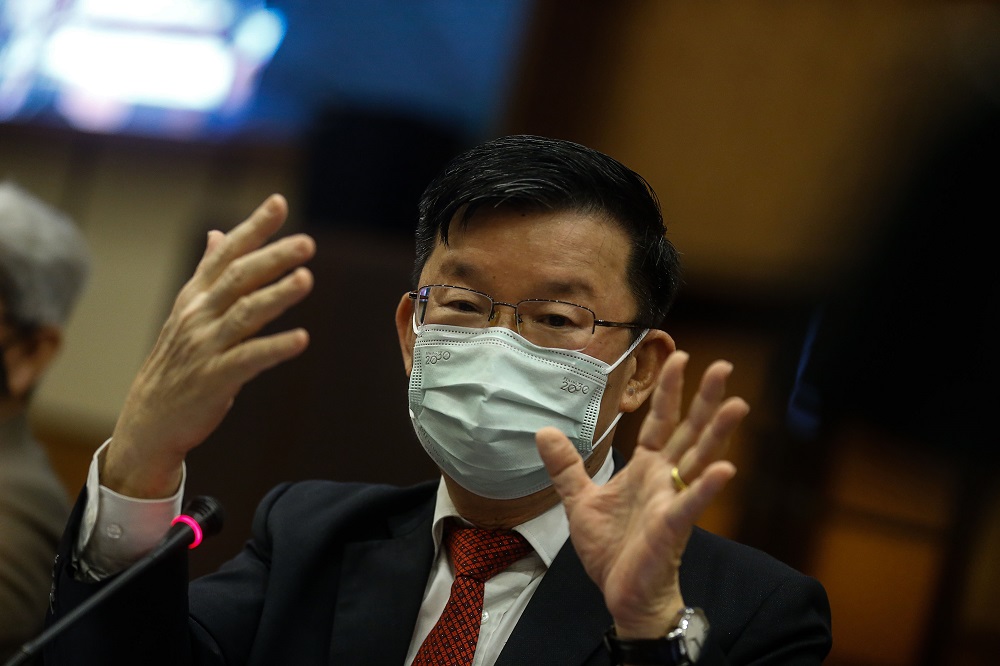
{"x": 44, "y": 259}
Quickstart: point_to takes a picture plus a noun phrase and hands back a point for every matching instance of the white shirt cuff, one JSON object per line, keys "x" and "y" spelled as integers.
{"x": 116, "y": 530}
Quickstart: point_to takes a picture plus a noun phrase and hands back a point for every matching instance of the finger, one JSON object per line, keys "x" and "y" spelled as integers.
{"x": 665, "y": 404}
{"x": 713, "y": 444}
{"x": 258, "y": 268}
{"x": 191, "y": 287}
{"x": 710, "y": 393}
{"x": 215, "y": 237}
{"x": 251, "y": 313}
{"x": 563, "y": 463}
{"x": 245, "y": 237}
{"x": 688, "y": 506}
{"x": 247, "y": 360}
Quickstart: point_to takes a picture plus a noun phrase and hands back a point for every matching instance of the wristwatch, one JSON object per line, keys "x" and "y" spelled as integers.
{"x": 681, "y": 647}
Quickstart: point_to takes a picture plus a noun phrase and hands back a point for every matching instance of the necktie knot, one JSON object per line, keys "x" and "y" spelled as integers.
{"x": 481, "y": 554}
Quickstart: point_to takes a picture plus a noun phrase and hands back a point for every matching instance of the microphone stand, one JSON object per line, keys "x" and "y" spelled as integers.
{"x": 201, "y": 517}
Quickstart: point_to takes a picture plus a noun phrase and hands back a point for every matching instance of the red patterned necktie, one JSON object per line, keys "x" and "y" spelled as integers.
{"x": 477, "y": 556}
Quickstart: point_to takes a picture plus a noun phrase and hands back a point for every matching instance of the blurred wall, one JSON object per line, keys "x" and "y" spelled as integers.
{"x": 780, "y": 137}
{"x": 769, "y": 130}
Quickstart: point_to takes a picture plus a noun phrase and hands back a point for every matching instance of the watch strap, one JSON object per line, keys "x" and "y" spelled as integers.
{"x": 665, "y": 651}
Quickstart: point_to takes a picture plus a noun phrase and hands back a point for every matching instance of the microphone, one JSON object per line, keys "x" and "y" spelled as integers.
{"x": 202, "y": 517}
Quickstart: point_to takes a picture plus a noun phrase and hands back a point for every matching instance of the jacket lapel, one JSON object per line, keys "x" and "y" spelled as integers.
{"x": 565, "y": 599}
{"x": 568, "y": 599}
{"x": 382, "y": 584}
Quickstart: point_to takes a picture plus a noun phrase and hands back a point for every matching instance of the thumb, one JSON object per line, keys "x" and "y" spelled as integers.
{"x": 563, "y": 463}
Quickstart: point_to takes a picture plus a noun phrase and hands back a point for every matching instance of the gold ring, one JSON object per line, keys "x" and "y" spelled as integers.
{"x": 679, "y": 484}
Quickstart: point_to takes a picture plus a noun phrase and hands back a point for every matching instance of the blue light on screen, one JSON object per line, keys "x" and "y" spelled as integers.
{"x": 213, "y": 69}
{"x": 166, "y": 66}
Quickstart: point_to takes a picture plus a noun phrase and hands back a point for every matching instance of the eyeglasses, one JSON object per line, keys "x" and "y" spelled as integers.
{"x": 546, "y": 323}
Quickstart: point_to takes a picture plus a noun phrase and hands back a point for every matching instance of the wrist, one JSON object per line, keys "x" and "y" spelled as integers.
{"x": 680, "y": 645}
{"x": 125, "y": 472}
{"x": 651, "y": 625}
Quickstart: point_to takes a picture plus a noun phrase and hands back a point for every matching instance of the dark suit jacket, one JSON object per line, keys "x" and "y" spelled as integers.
{"x": 335, "y": 574}
{"x": 33, "y": 511}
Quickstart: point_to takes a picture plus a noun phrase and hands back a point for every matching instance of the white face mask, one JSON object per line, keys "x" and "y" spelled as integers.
{"x": 478, "y": 396}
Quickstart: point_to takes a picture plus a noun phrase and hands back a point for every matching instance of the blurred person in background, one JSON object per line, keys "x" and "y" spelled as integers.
{"x": 44, "y": 264}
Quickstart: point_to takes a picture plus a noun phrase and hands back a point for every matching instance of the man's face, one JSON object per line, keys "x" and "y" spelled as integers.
{"x": 565, "y": 256}
{"x": 25, "y": 353}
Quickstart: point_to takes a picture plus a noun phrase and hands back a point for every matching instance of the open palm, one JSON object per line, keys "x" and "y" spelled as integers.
{"x": 630, "y": 533}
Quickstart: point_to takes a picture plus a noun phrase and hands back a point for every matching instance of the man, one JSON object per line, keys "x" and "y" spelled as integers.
{"x": 44, "y": 264}
{"x": 542, "y": 274}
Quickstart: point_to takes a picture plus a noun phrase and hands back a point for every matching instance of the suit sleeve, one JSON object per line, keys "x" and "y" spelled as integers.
{"x": 144, "y": 622}
{"x": 791, "y": 625}
{"x": 760, "y": 610}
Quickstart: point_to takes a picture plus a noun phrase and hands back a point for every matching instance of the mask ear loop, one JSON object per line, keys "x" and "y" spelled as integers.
{"x": 608, "y": 372}
{"x": 601, "y": 438}
{"x": 627, "y": 352}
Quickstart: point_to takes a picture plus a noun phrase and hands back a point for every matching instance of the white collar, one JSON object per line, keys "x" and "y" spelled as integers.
{"x": 546, "y": 533}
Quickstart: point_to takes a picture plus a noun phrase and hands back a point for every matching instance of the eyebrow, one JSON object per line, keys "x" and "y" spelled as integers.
{"x": 456, "y": 268}
{"x": 555, "y": 288}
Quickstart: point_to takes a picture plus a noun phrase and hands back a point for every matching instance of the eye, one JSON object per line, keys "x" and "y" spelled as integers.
{"x": 454, "y": 305}
{"x": 460, "y": 304}
{"x": 554, "y": 321}
{"x": 464, "y": 306}
{"x": 556, "y": 316}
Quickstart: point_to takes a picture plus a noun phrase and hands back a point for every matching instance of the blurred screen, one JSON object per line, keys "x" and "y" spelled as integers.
{"x": 215, "y": 69}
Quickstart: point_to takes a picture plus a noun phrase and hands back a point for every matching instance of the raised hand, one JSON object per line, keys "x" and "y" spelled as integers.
{"x": 630, "y": 534}
{"x": 206, "y": 350}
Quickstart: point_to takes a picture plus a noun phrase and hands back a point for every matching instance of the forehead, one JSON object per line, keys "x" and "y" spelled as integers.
{"x": 513, "y": 255}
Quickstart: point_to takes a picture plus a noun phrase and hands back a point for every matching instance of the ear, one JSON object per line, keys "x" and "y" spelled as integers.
{"x": 404, "y": 329}
{"x": 29, "y": 358}
{"x": 649, "y": 357}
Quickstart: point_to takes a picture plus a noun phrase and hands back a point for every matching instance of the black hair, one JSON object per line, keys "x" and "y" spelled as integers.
{"x": 533, "y": 173}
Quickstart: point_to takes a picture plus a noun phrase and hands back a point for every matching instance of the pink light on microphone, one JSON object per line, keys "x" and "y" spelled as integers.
{"x": 193, "y": 524}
